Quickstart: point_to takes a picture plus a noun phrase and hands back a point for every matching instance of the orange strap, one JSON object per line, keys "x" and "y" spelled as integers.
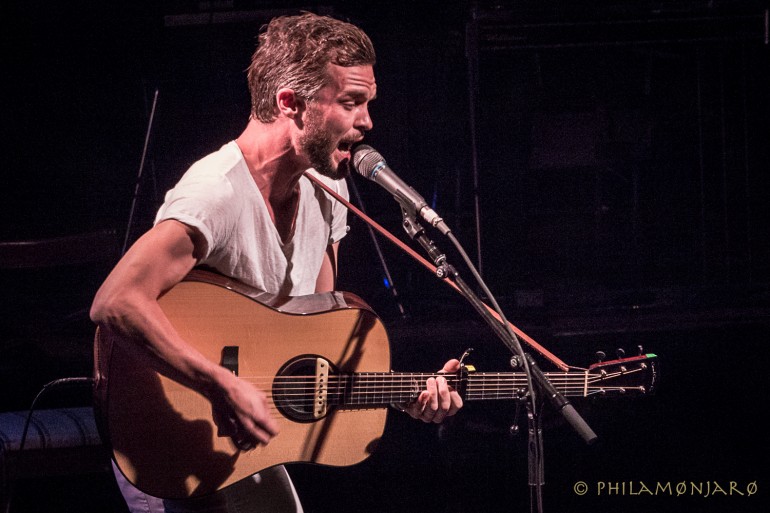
{"x": 529, "y": 340}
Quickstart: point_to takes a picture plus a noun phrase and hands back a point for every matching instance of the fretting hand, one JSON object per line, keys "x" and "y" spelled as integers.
{"x": 438, "y": 400}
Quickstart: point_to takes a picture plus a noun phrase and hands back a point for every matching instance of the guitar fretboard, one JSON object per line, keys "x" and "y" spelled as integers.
{"x": 371, "y": 389}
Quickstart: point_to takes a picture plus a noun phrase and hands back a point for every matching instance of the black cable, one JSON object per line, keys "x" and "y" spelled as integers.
{"x": 48, "y": 386}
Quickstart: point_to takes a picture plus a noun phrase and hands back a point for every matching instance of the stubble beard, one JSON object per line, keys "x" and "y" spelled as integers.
{"x": 319, "y": 148}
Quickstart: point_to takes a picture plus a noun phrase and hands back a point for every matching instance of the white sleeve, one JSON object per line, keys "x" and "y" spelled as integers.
{"x": 204, "y": 202}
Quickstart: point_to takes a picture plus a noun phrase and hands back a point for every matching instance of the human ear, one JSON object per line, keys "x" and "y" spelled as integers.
{"x": 289, "y": 103}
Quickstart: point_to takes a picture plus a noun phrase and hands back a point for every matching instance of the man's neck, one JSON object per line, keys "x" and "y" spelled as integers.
{"x": 272, "y": 161}
{"x": 269, "y": 154}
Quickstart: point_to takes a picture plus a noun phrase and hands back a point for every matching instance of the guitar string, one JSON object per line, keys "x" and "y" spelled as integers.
{"x": 409, "y": 391}
{"x": 302, "y": 382}
{"x": 393, "y": 397}
{"x": 473, "y": 378}
{"x": 385, "y": 379}
{"x": 365, "y": 391}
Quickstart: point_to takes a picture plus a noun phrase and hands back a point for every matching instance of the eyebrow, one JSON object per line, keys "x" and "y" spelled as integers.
{"x": 357, "y": 94}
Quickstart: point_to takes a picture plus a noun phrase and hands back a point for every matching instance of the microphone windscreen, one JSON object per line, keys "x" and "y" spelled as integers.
{"x": 366, "y": 159}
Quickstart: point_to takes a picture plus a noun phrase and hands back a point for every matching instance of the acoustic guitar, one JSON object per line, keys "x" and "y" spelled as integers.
{"x": 323, "y": 360}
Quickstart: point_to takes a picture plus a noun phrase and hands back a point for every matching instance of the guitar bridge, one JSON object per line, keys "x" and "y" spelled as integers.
{"x": 321, "y": 388}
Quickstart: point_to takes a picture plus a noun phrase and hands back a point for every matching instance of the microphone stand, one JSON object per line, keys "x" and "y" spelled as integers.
{"x": 520, "y": 359}
{"x": 505, "y": 330}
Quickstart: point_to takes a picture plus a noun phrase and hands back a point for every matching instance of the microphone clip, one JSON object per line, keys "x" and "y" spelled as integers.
{"x": 416, "y": 231}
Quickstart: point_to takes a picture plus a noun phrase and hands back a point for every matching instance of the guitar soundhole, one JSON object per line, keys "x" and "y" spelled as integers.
{"x": 294, "y": 389}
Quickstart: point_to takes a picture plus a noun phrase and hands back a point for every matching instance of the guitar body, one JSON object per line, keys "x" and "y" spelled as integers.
{"x": 161, "y": 433}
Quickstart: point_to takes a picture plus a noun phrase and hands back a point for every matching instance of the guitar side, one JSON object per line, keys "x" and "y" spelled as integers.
{"x": 161, "y": 433}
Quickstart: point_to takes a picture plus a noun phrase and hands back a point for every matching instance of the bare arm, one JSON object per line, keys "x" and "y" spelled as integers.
{"x": 328, "y": 275}
{"x": 127, "y": 305}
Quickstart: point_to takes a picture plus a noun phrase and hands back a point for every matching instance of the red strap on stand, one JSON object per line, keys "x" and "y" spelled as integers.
{"x": 529, "y": 340}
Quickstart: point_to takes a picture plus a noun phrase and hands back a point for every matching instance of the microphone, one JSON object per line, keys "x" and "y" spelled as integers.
{"x": 370, "y": 164}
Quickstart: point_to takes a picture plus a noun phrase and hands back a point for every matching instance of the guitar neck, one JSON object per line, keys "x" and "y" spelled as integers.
{"x": 372, "y": 389}
{"x": 634, "y": 375}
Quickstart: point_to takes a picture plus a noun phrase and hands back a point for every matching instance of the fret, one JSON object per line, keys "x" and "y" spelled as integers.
{"x": 385, "y": 387}
{"x": 403, "y": 389}
{"x": 354, "y": 389}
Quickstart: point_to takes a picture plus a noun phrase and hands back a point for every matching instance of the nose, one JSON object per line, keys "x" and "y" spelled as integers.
{"x": 363, "y": 120}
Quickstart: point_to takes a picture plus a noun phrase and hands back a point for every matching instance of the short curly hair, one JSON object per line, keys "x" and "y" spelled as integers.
{"x": 293, "y": 52}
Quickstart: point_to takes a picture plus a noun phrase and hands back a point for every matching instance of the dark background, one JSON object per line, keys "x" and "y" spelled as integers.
{"x": 604, "y": 164}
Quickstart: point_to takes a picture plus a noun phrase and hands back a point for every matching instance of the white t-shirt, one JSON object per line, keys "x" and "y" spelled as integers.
{"x": 219, "y": 198}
